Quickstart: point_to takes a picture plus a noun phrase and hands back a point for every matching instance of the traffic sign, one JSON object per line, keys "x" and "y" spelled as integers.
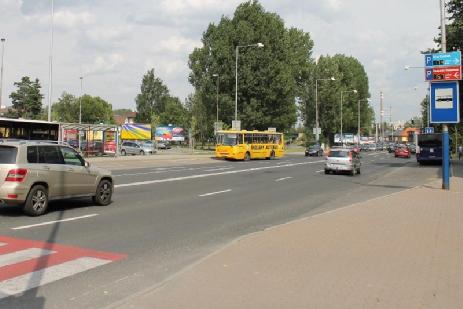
{"x": 443, "y": 59}
{"x": 443, "y": 73}
{"x": 429, "y": 130}
{"x": 445, "y": 103}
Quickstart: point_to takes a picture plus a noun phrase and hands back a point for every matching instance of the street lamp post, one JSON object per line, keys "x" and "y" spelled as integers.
{"x": 1, "y": 72}
{"x": 259, "y": 45}
{"x": 358, "y": 119}
{"x": 344, "y": 91}
{"x": 317, "y": 136}
{"x": 50, "y": 84}
{"x": 80, "y": 109}
{"x": 217, "y": 103}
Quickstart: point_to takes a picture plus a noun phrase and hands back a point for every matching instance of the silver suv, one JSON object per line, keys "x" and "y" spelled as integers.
{"x": 32, "y": 173}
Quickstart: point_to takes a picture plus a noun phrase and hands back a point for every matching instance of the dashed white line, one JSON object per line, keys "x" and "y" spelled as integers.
{"x": 319, "y": 171}
{"x": 218, "y": 169}
{"x": 214, "y": 193}
{"x": 284, "y": 178}
{"x": 148, "y": 182}
{"x": 23, "y": 227}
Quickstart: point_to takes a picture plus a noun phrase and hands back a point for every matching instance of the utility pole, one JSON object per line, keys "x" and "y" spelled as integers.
{"x": 1, "y": 73}
{"x": 381, "y": 114}
{"x": 445, "y": 128}
{"x": 392, "y": 125}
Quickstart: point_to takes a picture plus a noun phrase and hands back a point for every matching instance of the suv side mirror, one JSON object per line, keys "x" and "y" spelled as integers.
{"x": 87, "y": 164}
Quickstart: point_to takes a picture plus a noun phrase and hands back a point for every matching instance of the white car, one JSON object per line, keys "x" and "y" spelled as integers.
{"x": 342, "y": 160}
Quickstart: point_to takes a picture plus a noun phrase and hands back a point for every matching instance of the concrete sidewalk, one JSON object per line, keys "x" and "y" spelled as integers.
{"x": 404, "y": 250}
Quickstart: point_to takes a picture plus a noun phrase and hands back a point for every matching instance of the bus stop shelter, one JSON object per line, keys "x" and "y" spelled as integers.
{"x": 85, "y": 129}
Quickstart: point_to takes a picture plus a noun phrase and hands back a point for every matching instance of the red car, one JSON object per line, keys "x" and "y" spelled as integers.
{"x": 402, "y": 152}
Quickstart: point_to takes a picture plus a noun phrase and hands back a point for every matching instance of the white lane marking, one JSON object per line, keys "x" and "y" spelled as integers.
{"x": 214, "y": 193}
{"x": 47, "y": 275}
{"x": 148, "y": 182}
{"x": 218, "y": 169}
{"x": 284, "y": 178}
{"x": 319, "y": 171}
{"x": 23, "y": 255}
{"x": 52, "y": 222}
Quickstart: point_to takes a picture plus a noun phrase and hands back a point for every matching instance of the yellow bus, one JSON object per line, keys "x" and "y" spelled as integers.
{"x": 247, "y": 145}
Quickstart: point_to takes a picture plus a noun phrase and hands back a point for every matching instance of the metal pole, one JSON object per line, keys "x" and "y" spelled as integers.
{"x": 342, "y": 140}
{"x": 80, "y": 101}
{"x": 445, "y": 128}
{"x": 80, "y": 113}
{"x": 1, "y": 72}
{"x": 218, "y": 80}
{"x": 50, "y": 84}
{"x": 236, "y": 84}
{"x": 381, "y": 113}
{"x": 316, "y": 111}
{"x": 358, "y": 123}
{"x": 442, "y": 24}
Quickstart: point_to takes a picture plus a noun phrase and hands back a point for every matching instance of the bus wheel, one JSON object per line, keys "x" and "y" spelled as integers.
{"x": 247, "y": 156}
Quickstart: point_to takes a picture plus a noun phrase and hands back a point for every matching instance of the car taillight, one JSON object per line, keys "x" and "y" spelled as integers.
{"x": 350, "y": 156}
{"x": 16, "y": 175}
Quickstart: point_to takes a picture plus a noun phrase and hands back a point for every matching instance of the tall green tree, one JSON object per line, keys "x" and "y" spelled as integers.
{"x": 152, "y": 97}
{"x": 269, "y": 78}
{"x": 27, "y": 99}
{"x": 94, "y": 109}
{"x": 349, "y": 74}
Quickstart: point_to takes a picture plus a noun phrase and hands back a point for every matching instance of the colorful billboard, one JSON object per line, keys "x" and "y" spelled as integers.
{"x": 169, "y": 133}
{"x": 136, "y": 131}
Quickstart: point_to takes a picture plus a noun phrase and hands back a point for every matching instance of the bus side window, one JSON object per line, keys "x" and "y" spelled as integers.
{"x": 248, "y": 138}
{"x": 239, "y": 140}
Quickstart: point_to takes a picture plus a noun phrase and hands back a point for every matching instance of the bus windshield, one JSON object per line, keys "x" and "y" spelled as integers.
{"x": 226, "y": 139}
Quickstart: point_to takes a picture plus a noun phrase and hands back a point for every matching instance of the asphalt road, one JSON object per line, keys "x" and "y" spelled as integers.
{"x": 164, "y": 219}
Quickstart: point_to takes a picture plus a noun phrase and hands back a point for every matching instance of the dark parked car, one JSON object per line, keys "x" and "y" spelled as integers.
{"x": 314, "y": 151}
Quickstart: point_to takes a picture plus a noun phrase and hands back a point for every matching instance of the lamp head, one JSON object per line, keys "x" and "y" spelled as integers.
{"x": 332, "y": 78}
{"x": 354, "y": 91}
{"x": 407, "y": 67}
{"x": 260, "y": 45}
{"x": 215, "y": 75}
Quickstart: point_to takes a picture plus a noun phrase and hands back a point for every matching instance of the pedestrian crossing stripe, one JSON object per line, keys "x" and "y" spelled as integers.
{"x": 27, "y": 264}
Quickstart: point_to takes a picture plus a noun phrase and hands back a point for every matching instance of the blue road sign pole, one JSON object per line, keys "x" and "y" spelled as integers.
{"x": 445, "y": 158}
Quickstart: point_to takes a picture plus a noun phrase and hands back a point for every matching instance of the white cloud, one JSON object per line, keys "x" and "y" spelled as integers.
{"x": 176, "y": 44}
{"x": 64, "y": 19}
{"x": 104, "y": 64}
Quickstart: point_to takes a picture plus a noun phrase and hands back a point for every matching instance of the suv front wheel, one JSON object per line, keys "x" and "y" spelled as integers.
{"x": 104, "y": 192}
{"x": 37, "y": 201}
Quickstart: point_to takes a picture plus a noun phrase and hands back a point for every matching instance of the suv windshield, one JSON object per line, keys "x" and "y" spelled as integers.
{"x": 8, "y": 154}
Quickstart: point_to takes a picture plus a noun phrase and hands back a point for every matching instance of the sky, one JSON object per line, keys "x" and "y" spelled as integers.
{"x": 113, "y": 43}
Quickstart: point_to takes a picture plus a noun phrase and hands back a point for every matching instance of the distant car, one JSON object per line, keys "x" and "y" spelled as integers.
{"x": 364, "y": 147}
{"x": 163, "y": 145}
{"x": 37, "y": 172}
{"x": 314, "y": 151}
{"x": 412, "y": 148}
{"x": 402, "y": 152}
{"x": 150, "y": 144}
{"x": 342, "y": 160}
{"x": 135, "y": 148}
{"x": 372, "y": 147}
